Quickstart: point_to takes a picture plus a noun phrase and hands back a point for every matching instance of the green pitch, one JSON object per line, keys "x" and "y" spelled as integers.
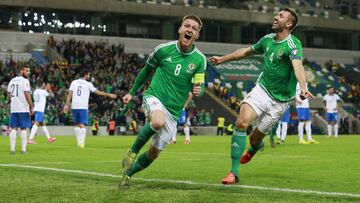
{"x": 60, "y": 172}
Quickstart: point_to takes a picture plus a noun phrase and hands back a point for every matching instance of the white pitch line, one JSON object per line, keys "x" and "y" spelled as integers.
{"x": 188, "y": 182}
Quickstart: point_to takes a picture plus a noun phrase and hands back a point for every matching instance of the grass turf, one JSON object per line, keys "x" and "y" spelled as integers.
{"x": 331, "y": 166}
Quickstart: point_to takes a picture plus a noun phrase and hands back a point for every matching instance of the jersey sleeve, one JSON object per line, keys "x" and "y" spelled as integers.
{"x": 295, "y": 49}
{"x": 72, "y": 86}
{"x": 258, "y": 47}
{"x": 338, "y": 98}
{"x": 92, "y": 87}
{"x": 46, "y": 93}
{"x": 9, "y": 87}
{"x": 155, "y": 57}
{"x": 199, "y": 76}
{"x": 26, "y": 86}
{"x": 325, "y": 97}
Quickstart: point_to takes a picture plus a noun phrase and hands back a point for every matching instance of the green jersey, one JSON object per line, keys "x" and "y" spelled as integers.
{"x": 278, "y": 77}
{"x": 174, "y": 76}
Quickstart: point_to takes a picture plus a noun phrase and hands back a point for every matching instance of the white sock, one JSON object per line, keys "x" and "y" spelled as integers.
{"x": 278, "y": 131}
{"x": 33, "y": 132}
{"x": 336, "y": 130}
{"x": 329, "y": 130}
{"x": 308, "y": 130}
{"x": 187, "y": 133}
{"x": 284, "y": 131}
{"x": 77, "y": 132}
{"x": 12, "y": 139}
{"x": 23, "y": 135}
{"x": 301, "y": 130}
{"x": 46, "y": 131}
{"x": 82, "y": 136}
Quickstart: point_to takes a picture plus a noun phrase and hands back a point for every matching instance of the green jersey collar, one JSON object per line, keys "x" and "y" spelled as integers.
{"x": 289, "y": 35}
{"x": 184, "y": 53}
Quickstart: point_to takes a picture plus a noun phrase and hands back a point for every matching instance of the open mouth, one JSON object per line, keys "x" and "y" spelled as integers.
{"x": 187, "y": 36}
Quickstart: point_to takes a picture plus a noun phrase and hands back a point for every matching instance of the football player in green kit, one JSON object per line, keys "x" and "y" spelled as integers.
{"x": 179, "y": 68}
{"x": 274, "y": 90}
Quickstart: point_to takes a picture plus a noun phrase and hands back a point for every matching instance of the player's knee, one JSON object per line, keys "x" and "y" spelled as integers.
{"x": 157, "y": 124}
{"x": 242, "y": 124}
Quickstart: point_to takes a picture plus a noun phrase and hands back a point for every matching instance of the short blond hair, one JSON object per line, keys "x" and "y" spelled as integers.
{"x": 195, "y": 18}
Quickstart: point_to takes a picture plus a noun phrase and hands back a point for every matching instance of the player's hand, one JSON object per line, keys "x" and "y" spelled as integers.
{"x": 31, "y": 111}
{"x": 112, "y": 96}
{"x": 127, "y": 98}
{"x": 197, "y": 90}
{"x": 306, "y": 94}
{"x": 66, "y": 108}
{"x": 216, "y": 60}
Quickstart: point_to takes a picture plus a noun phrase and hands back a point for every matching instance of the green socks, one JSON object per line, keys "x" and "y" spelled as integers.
{"x": 238, "y": 143}
{"x": 144, "y": 135}
{"x": 141, "y": 163}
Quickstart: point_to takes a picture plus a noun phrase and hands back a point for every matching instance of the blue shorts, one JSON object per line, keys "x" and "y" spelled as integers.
{"x": 39, "y": 116}
{"x": 286, "y": 116}
{"x": 80, "y": 116}
{"x": 304, "y": 114}
{"x": 331, "y": 117}
{"x": 20, "y": 120}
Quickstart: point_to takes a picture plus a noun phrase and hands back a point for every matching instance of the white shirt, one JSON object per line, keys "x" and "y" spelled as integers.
{"x": 17, "y": 88}
{"x": 39, "y": 96}
{"x": 305, "y": 102}
{"x": 80, "y": 93}
{"x": 331, "y": 102}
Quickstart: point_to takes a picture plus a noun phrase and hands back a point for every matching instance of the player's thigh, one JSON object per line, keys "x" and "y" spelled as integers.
{"x": 154, "y": 111}
{"x": 14, "y": 120}
{"x": 247, "y": 115}
{"x": 165, "y": 134}
{"x": 157, "y": 119}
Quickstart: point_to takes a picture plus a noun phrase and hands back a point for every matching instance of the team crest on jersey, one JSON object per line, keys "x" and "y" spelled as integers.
{"x": 294, "y": 51}
{"x": 191, "y": 66}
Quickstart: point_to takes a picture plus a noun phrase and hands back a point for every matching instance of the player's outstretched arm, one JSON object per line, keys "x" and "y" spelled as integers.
{"x": 236, "y": 55}
{"x": 141, "y": 78}
{"x": 104, "y": 94}
{"x": 28, "y": 100}
{"x": 301, "y": 78}
{"x": 67, "y": 104}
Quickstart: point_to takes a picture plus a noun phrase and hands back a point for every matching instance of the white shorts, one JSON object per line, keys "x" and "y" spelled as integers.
{"x": 268, "y": 110}
{"x": 163, "y": 137}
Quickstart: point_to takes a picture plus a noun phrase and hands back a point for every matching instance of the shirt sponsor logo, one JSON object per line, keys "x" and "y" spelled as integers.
{"x": 280, "y": 53}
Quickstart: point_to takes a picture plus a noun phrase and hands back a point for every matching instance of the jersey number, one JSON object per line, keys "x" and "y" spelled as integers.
{"x": 271, "y": 57}
{"x": 177, "y": 69}
{"x": 78, "y": 92}
{"x": 14, "y": 90}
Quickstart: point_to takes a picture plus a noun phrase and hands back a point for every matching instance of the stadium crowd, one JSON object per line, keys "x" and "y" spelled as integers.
{"x": 112, "y": 71}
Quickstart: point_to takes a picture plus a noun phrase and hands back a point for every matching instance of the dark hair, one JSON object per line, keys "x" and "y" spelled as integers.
{"x": 294, "y": 19}
{"x": 84, "y": 72}
{"x": 195, "y": 18}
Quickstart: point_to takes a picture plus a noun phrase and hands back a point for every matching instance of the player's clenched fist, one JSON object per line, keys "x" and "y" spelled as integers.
{"x": 127, "y": 98}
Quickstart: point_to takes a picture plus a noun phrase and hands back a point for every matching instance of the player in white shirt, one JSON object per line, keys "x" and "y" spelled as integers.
{"x": 79, "y": 93}
{"x": 331, "y": 103}
{"x": 21, "y": 108}
{"x": 185, "y": 121}
{"x": 281, "y": 131}
{"x": 39, "y": 97}
{"x": 304, "y": 116}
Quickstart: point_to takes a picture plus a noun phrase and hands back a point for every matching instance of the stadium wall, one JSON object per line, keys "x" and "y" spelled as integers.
{"x": 19, "y": 42}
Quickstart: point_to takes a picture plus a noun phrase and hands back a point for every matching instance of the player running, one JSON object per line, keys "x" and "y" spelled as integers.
{"x": 274, "y": 90}
{"x": 39, "y": 97}
{"x": 21, "y": 108}
{"x": 179, "y": 68}
{"x": 79, "y": 93}
{"x": 332, "y": 103}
